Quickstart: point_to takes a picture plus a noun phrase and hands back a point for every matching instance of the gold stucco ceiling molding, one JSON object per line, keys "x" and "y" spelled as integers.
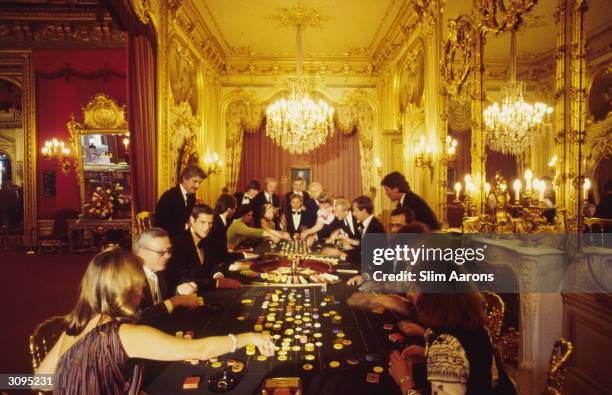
{"x": 142, "y": 9}
{"x": 500, "y": 16}
{"x": 312, "y": 69}
{"x": 427, "y": 12}
{"x": 299, "y": 15}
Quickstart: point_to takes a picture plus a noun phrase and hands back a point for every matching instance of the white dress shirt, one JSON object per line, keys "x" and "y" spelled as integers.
{"x": 296, "y": 219}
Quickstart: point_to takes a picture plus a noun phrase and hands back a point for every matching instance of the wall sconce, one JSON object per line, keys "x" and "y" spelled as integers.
{"x": 422, "y": 155}
{"x": 451, "y": 149}
{"x": 56, "y": 150}
{"x": 212, "y": 164}
{"x": 378, "y": 166}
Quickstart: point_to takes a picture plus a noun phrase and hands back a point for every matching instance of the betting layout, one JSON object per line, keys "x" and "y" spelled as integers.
{"x": 314, "y": 332}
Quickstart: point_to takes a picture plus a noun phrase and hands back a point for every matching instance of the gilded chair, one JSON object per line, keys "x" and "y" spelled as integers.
{"x": 495, "y": 309}
{"x": 558, "y": 365}
{"x": 44, "y": 337}
{"x": 144, "y": 221}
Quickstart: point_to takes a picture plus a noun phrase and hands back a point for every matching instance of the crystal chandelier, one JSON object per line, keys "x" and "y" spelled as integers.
{"x": 298, "y": 124}
{"x": 514, "y": 126}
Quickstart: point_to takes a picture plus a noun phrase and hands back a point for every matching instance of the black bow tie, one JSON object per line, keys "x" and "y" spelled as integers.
{"x": 297, "y": 212}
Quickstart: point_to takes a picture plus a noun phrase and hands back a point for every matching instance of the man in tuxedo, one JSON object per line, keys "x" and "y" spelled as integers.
{"x": 154, "y": 248}
{"x": 298, "y": 189}
{"x": 190, "y": 262}
{"x": 251, "y": 190}
{"x": 296, "y": 218}
{"x": 315, "y": 189}
{"x": 269, "y": 196}
{"x": 216, "y": 242}
{"x": 344, "y": 227}
{"x": 363, "y": 211}
{"x": 398, "y": 190}
{"x": 175, "y": 205}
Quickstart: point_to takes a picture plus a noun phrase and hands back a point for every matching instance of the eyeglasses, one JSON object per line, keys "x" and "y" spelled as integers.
{"x": 162, "y": 252}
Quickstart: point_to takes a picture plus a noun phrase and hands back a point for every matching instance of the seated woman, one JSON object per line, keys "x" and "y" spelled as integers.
{"x": 267, "y": 214}
{"x": 95, "y": 354}
{"x": 459, "y": 356}
{"x": 325, "y": 216}
{"x": 242, "y": 229}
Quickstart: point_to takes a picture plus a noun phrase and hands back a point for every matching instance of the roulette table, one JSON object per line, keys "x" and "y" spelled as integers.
{"x": 332, "y": 348}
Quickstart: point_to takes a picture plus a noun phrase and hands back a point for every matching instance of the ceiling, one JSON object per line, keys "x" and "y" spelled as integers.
{"x": 348, "y": 28}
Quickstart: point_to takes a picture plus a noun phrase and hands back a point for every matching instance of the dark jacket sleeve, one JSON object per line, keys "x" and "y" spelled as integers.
{"x": 150, "y": 312}
{"x": 163, "y": 211}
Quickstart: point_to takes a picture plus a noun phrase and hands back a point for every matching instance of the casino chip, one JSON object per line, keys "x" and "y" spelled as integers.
{"x": 217, "y": 364}
{"x": 261, "y": 357}
{"x": 378, "y": 369}
{"x": 282, "y": 357}
{"x": 334, "y": 364}
{"x": 307, "y": 366}
{"x": 338, "y": 346}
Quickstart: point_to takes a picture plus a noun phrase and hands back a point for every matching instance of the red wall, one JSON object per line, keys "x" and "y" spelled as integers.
{"x": 57, "y": 99}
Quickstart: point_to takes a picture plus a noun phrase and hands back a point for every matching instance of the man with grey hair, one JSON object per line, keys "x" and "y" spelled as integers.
{"x": 154, "y": 248}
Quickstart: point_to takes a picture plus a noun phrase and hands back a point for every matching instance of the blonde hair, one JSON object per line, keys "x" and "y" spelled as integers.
{"x": 345, "y": 204}
{"x": 111, "y": 286}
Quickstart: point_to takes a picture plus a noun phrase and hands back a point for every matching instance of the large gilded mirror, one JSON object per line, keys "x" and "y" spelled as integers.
{"x": 101, "y": 146}
{"x": 520, "y": 69}
{"x": 17, "y": 208}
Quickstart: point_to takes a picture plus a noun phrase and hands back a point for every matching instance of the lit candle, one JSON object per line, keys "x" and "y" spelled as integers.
{"x": 542, "y": 189}
{"x": 517, "y": 189}
{"x": 585, "y": 189}
{"x": 457, "y": 190}
{"x": 487, "y": 188}
{"x": 528, "y": 177}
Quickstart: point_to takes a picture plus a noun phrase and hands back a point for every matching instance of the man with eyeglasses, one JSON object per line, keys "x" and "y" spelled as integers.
{"x": 154, "y": 248}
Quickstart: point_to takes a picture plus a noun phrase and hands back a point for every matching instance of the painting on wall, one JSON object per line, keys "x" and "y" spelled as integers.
{"x": 301, "y": 171}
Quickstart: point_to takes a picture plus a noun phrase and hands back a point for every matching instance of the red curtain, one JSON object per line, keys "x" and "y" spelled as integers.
{"x": 463, "y": 161}
{"x": 142, "y": 122}
{"x": 141, "y": 102}
{"x": 336, "y": 164}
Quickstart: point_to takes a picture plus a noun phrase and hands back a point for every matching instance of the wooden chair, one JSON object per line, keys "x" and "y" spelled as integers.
{"x": 44, "y": 337}
{"x": 558, "y": 365}
{"x": 495, "y": 309}
{"x": 144, "y": 221}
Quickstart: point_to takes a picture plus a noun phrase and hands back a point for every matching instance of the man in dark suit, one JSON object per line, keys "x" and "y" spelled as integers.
{"x": 189, "y": 262}
{"x": 216, "y": 242}
{"x": 154, "y": 248}
{"x": 363, "y": 211}
{"x": 296, "y": 218}
{"x": 174, "y": 206}
{"x": 250, "y": 191}
{"x": 298, "y": 189}
{"x": 398, "y": 190}
{"x": 315, "y": 189}
{"x": 268, "y": 195}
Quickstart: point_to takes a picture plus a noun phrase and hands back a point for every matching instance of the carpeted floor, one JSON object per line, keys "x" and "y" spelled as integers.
{"x": 33, "y": 288}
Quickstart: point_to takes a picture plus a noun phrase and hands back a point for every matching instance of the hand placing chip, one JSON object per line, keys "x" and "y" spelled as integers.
{"x": 264, "y": 344}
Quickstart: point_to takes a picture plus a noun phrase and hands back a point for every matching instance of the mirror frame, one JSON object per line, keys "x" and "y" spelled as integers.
{"x": 19, "y": 64}
{"x": 102, "y": 115}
